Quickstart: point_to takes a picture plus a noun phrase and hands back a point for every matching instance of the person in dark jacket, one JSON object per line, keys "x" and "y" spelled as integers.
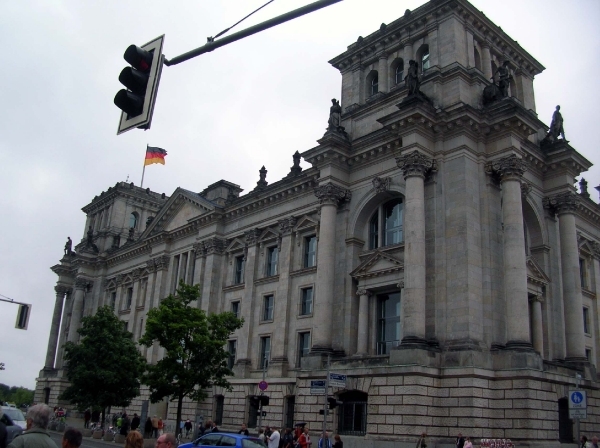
{"x": 135, "y": 422}
{"x": 3, "y": 435}
{"x": 148, "y": 428}
{"x": 125, "y": 424}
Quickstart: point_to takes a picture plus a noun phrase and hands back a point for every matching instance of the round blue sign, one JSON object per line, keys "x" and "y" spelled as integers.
{"x": 576, "y": 397}
{"x": 263, "y": 385}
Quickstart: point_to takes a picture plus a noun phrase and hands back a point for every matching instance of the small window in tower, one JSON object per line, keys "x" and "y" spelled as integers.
{"x": 374, "y": 84}
{"x": 399, "y": 72}
{"x": 425, "y": 63}
{"x": 133, "y": 220}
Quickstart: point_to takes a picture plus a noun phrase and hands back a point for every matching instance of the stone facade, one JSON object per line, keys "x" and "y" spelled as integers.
{"x": 434, "y": 252}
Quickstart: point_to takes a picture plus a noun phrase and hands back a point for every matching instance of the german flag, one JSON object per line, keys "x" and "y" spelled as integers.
{"x": 155, "y": 155}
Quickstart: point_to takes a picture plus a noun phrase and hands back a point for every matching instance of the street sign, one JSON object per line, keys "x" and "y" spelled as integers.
{"x": 263, "y": 385}
{"x": 317, "y": 387}
{"x": 337, "y": 380}
{"x": 577, "y": 404}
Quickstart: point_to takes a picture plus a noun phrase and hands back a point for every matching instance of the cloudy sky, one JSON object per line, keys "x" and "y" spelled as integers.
{"x": 220, "y": 116}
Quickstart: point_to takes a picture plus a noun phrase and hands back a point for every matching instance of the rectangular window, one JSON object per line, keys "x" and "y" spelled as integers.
{"x": 113, "y": 300}
{"x": 235, "y": 308}
{"x": 219, "y": 402}
{"x": 240, "y": 264}
{"x": 268, "y": 307}
{"x": 582, "y": 272}
{"x": 140, "y": 333}
{"x": 129, "y": 298}
{"x": 303, "y": 345}
{"x": 307, "y": 301}
{"x": 231, "y": 350}
{"x": 586, "y": 320}
{"x": 388, "y": 322}
{"x": 310, "y": 251}
{"x": 272, "y": 255}
{"x": 265, "y": 351}
{"x": 588, "y": 354}
{"x": 352, "y": 418}
{"x": 125, "y": 324}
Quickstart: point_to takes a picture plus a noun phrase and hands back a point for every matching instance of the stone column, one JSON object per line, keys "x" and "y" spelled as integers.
{"x": 330, "y": 196}
{"x": 55, "y": 326}
{"x": 565, "y": 205}
{"x": 81, "y": 285}
{"x": 62, "y": 339}
{"x": 211, "y": 285}
{"x": 357, "y": 81}
{"x": 278, "y": 367}
{"x": 486, "y": 61}
{"x": 408, "y": 55}
{"x": 415, "y": 167}
{"x": 161, "y": 264}
{"x": 382, "y": 70}
{"x": 362, "y": 346}
{"x": 538, "y": 330}
{"x": 510, "y": 171}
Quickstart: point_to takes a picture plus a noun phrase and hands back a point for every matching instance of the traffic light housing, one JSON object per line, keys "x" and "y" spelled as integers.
{"x": 333, "y": 402}
{"x": 23, "y": 316}
{"x": 257, "y": 400}
{"x": 141, "y": 79}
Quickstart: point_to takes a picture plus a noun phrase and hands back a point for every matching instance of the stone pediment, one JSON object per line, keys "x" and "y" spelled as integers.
{"x": 586, "y": 248}
{"x": 268, "y": 235}
{"x": 181, "y": 207}
{"x": 305, "y": 222}
{"x": 379, "y": 263}
{"x": 235, "y": 245}
{"x": 535, "y": 273}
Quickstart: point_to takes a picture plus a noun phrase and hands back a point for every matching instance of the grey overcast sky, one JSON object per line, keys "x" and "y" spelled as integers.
{"x": 220, "y": 116}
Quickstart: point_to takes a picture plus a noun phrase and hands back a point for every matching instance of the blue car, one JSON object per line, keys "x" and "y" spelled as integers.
{"x": 226, "y": 439}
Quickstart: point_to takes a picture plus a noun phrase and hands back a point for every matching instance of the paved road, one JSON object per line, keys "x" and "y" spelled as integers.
{"x": 87, "y": 441}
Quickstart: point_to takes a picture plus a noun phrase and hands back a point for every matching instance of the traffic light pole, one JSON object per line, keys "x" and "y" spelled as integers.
{"x": 260, "y": 408}
{"x": 214, "y": 44}
{"x": 325, "y": 410}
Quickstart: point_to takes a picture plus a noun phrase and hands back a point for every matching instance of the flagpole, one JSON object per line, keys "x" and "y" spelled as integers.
{"x": 144, "y": 170}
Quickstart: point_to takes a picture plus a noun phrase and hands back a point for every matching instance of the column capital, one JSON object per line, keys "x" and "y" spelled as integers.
{"x": 161, "y": 263}
{"x": 83, "y": 283}
{"x": 150, "y": 265}
{"x": 416, "y": 164}
{"x": 363, "y": 292}
{"x": 62, "y": 290}
{"x": 332, "y": 194}
{"x": 507, "y": 168}
{"x": 286, "y": 225}
{"x": 566, "y": 202}
{"x": 214, "y": 246}
{"x": 251, "y": 236}
{"x": 536, "y": 298}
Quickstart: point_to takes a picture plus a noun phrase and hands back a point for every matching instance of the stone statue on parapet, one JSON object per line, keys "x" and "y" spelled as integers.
{"x": 335, "y": 116}
{"x": 296, "y": 169}
{"x": 504, "y": 78}
{"x": 68, "y": 246}
{"x": 89, "y": 241}
{"x": 412, "y": 78}
{"x": 556, "y": 130}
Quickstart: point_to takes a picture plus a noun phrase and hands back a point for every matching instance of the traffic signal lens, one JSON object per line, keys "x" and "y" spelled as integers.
{"x": 129, "y": 103}
{"x": 138, "y": 58}
{"x": 134, "y": 80}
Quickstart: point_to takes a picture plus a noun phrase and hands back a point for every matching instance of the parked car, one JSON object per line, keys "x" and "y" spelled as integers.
{"x": 226, "y": 439}
{"x": 16, "y": 416}
{"x": 12, "y": 429}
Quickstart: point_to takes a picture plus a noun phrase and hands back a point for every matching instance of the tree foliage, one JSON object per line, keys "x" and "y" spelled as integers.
{"x": 105, "y": 367}
{"x": 18, "y": 395}
{"x": 194, "y": 342}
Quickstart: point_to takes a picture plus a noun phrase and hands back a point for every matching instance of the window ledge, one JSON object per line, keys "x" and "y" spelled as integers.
{"x": 270, "y": 321}
{"x": 127, "y": 311}
{"x": 272, "y": 278}
{"x": 588, "y": 293}
{"x": 389, "y": 248}
{"x": 234, "y": 287}
{"x": 305, "y": 316}
{"x": 304, "y": 271}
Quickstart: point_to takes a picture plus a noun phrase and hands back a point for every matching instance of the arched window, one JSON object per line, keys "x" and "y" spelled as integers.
{"x": 133, "y": 219}
{"x": 397, "y": 71}
{"x": 386, "y": 225}
{"x": 374, "y": 84}
{"x": 425, "y": 62}
{"x": 477, "y": 60}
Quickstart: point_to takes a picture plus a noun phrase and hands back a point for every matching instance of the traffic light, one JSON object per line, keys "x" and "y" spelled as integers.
{"x": 322, "y": 412}
{"x": 264, "y": 399}
{"x": 255, "y": 401}
{"x": 141, "y": 79}
{"x": 333, "y": 402}
{"x": 23, "y": 316}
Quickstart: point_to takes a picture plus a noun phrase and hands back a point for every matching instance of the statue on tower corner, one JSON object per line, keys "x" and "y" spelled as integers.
{"x": 335, "y": 114}
{"x": 556, "y": 130}
{"x": 504, "y": 77}
{"x": 89, "y": 241}
{"x": 412, "y": 78}
{"x": 68, "y": 246}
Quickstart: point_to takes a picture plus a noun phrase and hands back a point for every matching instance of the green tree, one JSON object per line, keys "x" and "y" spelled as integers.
{"x": 194, "y": 342}
{"x": 105, "y": 367}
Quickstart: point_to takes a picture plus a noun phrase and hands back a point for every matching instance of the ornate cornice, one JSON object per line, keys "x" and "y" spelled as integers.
{"x": 332, "y": 194}
{"x": 566, "y": 202}
{"x": 416, "y": 164}
{"x": 507, "y": 168}
{"x": 286, "y": 225}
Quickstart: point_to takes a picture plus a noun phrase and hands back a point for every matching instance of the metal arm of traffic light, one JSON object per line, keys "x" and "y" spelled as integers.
{"x": 214, "y": 44}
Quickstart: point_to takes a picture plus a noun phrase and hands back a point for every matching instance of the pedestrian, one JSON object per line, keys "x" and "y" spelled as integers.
{"x": 160, "y": 426}
{"x": 584, "y": 442}
{"x": 135, "y": 422}
{"x": 261, "y": 434}
{"x": 167, "y": 439}
{"x": 36, "y": 435}
{"x": 421, "y": 442}
{"x": 468, "y": 443}
{"x": 595, "y": 442}
{"x": 201, "y": 429}
{"x": 72, "y": 438}
{"x": 288, "y": 438}
{"x": 125, "y": 424}
{"x": 155, "y": 427}
{"x": 148, "y": 429}
{"x": 87, "y": 416}
{"x": 324, "y": 441}
{"x": 338, "y": 442}
{"x": 3, "y": 433}
{"x": 304, "y": 439}
{"x": 460, "y": 441}
{"x": 273, "y": 439}
{"x": 244, "y": 430}
{"x": 188, "y": 427}
{"x": 213, "y": 427}
{"x": 134, "y": 440}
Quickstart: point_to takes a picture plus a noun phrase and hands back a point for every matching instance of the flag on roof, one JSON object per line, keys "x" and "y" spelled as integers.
{"x": 155, "y": 155}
